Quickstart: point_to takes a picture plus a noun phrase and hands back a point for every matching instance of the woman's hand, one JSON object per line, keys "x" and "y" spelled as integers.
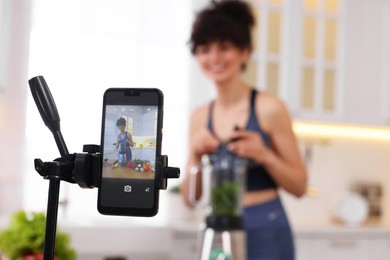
{"x": 129, "y": 141}
{"x": 248, "y": 144}
{"x": 203, "y": 142}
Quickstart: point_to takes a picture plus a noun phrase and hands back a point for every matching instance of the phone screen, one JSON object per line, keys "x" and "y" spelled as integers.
{"x": 131, "y": 141}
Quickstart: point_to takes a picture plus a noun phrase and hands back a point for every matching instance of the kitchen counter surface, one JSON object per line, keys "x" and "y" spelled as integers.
{"x": 335, "y": 229}
{"x": 122, "y": 223}
{"x": 326, "y": 228}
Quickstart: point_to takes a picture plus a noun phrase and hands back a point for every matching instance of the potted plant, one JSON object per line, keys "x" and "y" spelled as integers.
{"x": 25, "y": 235}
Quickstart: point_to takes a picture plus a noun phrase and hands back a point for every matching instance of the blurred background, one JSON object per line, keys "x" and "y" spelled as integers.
{"x": 327, "y": 59}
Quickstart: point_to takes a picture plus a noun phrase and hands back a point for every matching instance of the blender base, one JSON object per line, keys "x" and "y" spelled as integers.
{"x": 222, "y": 245}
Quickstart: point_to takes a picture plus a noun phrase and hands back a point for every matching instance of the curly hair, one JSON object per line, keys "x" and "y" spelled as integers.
{"x": 121, "y": 121}
{"x": 226, "y": 20}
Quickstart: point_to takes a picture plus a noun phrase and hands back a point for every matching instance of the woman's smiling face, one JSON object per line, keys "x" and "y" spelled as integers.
{"x": 221, "y": 61}
{"x": 122, "y": 128}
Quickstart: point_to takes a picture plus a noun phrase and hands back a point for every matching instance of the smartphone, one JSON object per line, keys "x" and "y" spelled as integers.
{"x": 130, "y": 143}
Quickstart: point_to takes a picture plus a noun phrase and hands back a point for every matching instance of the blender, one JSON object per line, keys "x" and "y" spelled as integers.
{"x": 223, "y": 186}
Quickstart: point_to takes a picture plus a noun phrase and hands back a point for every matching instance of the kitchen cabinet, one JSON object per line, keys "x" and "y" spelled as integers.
{"x": 328, "y": 60}
{"x": 340, "y": 245}
{"x": 343, "y": 248}
{"x": 297, "y": 55}
{"x": 179, "y": 241}
{"x": 366, "y": 62}
{"x": 184, "y": 245}
{"x": 322, "y": 242}
{"x": 305, "y": 249}
{"x": 380, "y": 249}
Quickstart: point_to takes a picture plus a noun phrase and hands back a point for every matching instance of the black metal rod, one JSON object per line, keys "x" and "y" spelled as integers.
{"x": 51, "y": 219}
{"x": 52, "y": 204}
{"x": 48, "y": 110}
{"x": 60, "y": 143}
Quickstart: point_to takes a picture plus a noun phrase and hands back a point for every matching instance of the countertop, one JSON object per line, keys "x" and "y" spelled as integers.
{"x": 319, "y": 230}
{"x": 116, "y": 223}
{"x": 122, "y": 235}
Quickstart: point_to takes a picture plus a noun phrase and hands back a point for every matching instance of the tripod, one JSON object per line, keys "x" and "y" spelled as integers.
{"x": 81, "y": 168}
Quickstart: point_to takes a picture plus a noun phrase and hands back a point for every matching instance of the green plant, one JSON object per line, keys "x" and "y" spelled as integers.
{"x": 26, "y": 234}
{"x": 175, "y": 189}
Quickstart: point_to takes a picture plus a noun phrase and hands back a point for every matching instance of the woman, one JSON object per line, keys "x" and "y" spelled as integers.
{"x": 221, "y": 44}
{"x": 123, "y": 143}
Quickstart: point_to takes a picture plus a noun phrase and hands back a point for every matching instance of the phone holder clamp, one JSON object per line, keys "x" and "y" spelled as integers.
{"x": 84, "y": 168}
{"x": 164, "y": 172}
{"x": 80, "y": 168}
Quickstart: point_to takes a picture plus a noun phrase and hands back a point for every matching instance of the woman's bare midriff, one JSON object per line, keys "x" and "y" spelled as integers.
{"x": 257, "y": 197}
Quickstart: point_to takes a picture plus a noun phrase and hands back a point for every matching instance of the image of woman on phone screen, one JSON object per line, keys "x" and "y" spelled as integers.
{"x": 124, "y": 143}
{"x": 221, "y": 44}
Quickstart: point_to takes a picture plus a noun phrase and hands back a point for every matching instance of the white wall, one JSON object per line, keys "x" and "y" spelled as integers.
{"x": 334, "y": 167}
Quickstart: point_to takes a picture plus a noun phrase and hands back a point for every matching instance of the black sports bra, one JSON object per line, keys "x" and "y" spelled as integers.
{"x": 257, "y": 177}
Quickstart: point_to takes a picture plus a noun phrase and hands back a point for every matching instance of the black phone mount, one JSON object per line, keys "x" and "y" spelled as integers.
{"x": 81, "y": 168}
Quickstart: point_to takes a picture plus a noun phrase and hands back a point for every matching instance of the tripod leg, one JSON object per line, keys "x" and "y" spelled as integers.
{"x": 51, "y": 219}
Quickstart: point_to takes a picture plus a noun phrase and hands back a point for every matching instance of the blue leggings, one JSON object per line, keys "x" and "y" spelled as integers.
{"x": 269, "y": 236}
{"x": 128, "y": 157}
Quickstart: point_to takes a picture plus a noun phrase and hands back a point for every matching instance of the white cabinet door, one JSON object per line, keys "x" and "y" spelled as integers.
{"x": 184, "y": 245}
{"x": 338, "y": 247}
{"x": 366, "y": 62}
{"x": 343, "y": 248}
{"x": 380, "y": 249}
{"x": 306, "y": 249}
